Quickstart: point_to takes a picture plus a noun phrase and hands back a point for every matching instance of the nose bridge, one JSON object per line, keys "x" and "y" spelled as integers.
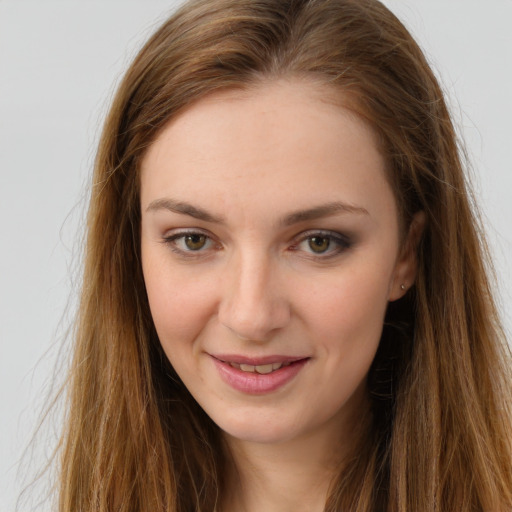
{"x": 253, "y": 303}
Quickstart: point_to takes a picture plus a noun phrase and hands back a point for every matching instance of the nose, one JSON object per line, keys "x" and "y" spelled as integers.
{"x": 253, "y": 304}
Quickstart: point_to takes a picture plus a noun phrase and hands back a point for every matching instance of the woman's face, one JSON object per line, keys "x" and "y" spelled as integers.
{"x": 270, "y": 250}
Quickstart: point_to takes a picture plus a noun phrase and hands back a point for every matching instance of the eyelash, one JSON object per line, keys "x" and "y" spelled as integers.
{"x": 337, "y": 243}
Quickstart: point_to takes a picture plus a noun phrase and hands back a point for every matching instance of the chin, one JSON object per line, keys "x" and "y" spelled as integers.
{"x": 258, "y": 435}
{"x": 257, "y": 430}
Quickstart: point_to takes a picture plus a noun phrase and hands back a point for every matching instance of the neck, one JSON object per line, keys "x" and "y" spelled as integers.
{"x": 281, "y": 478}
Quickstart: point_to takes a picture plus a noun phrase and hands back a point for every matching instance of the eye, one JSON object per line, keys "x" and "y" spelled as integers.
{"x": 322, "y": 243}
{"x": 319, "y": 244}
{"x": 195, "y": 242}
{"x": 189, "y": 242}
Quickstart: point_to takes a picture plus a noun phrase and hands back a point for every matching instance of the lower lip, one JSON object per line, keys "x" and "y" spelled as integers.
{"x": 255, "y": 383}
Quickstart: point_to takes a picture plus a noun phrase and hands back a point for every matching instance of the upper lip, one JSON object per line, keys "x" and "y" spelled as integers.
{"x": 257, "y": 361}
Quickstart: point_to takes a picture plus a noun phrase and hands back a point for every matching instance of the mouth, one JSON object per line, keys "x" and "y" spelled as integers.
{"x": 262, "y": 369}
{"x": 262, "y": 365}
{"x": 258, "y": 375}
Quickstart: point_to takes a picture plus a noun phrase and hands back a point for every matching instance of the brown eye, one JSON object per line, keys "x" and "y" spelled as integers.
{"x": 322, "y": 244}
{"x": 191, "y": 244}
{"x": 195, "y": 242}
{"x": 319, "y": 244}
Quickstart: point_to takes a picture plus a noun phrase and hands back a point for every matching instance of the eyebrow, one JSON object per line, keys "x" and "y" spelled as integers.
{"x": 317, "y": 212}
{"x": 324, "y": 210}
{"x": 183, "y": 208}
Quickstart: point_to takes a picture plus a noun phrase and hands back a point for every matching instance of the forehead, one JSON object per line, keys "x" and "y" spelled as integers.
{"x": 286, "y": 141}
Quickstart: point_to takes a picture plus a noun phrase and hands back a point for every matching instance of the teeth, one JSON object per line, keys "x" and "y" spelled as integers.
{"x": 262, "y": 368}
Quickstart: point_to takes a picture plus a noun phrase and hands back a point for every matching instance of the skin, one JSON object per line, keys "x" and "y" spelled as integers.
{"x": 248, "y": 283}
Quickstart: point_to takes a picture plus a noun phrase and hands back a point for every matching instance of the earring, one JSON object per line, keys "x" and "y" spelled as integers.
{"x": 402, "y": 287}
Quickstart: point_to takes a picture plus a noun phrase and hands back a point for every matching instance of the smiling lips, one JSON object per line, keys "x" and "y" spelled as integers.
{"x": 262, "y": 369}
{"x": 258, "y": 376}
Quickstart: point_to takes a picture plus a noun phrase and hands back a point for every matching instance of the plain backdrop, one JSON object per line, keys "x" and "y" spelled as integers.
{"x": 59, "y": 63}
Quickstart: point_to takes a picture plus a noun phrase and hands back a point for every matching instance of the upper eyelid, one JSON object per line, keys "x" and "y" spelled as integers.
{"x": 300, "y": 236}
{"x": 322, "y": 232}
{"x": 174, "y": 233}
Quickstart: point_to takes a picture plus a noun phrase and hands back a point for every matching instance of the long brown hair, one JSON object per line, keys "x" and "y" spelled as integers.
{"x": 439, "y": 433}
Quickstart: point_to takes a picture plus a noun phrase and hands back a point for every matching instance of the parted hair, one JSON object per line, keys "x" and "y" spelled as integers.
{"x": 438, "y": 435}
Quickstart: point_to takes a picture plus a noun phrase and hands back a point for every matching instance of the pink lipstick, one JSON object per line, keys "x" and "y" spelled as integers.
{"x": 258, "y": 376}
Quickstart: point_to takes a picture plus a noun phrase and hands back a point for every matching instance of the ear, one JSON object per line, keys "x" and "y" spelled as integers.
{"x": 406, "y": 266}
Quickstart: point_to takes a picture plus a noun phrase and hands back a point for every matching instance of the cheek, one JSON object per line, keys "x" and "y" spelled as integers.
{"x": 349, "y": 298}
{"x": 180, "y": 303}
{"x": 346, "y": 314}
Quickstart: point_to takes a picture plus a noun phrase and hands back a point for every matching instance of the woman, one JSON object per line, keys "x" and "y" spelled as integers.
{"x": 285, "y": 303}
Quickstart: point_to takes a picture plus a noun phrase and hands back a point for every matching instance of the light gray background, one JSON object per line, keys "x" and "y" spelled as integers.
{"x": 59, "y": 61}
